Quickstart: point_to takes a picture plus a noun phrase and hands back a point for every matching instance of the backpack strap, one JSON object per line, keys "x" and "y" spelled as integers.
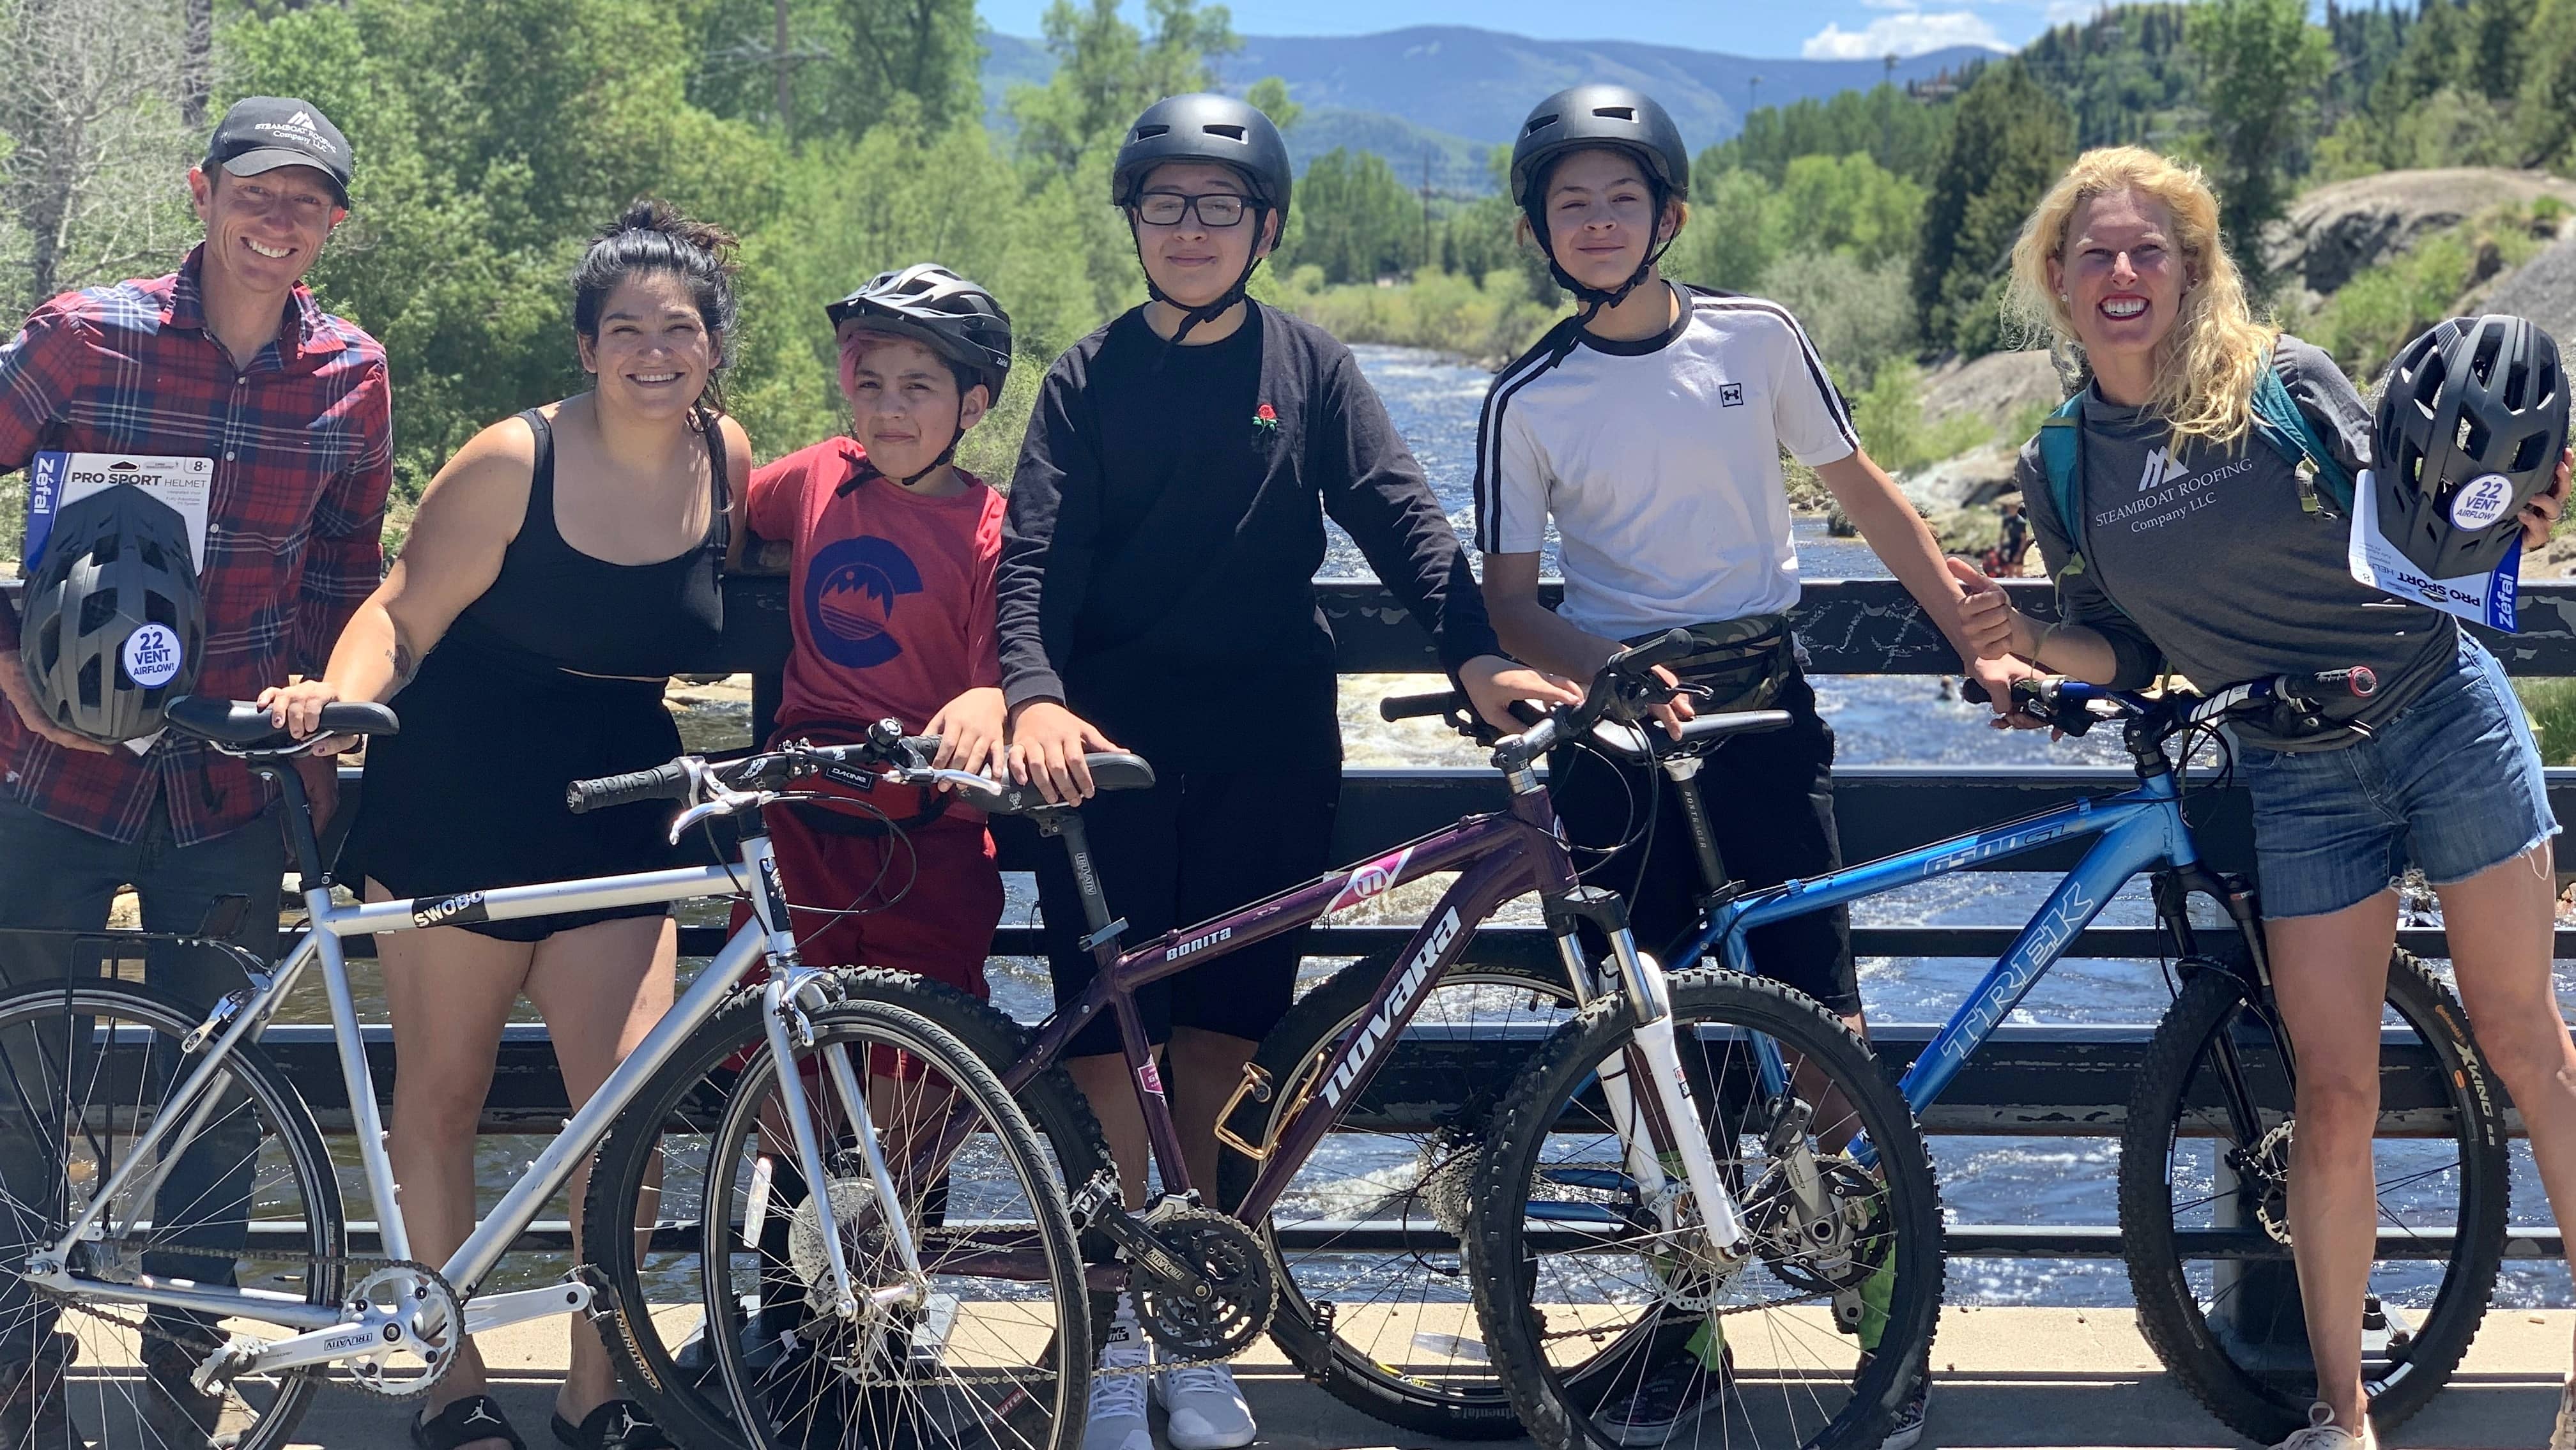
{"x": 2061, "y": 455}
{"x": 2280, "y": 423}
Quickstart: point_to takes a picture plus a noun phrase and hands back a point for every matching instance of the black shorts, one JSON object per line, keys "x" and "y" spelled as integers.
{"x": 1770, "y": 804}
{"x": 1197, "y": 845}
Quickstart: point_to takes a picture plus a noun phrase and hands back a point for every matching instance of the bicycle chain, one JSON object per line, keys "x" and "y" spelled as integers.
{"x": 367, "y": 1265}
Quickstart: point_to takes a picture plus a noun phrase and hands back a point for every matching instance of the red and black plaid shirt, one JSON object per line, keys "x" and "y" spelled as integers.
{"x": 302, "y": 442}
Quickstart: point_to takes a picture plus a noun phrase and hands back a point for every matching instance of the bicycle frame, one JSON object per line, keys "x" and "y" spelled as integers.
{"x": 242, "y": 1016}
{"x": 2142, "y": 829}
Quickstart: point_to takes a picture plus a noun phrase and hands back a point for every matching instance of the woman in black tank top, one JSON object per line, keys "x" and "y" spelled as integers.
{"x": 562, "y": 566}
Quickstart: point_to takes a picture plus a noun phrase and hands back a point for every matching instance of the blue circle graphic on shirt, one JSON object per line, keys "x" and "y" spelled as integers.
{"x": 850, "y": 590}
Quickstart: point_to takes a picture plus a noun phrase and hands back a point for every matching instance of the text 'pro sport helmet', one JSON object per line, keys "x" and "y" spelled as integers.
{"x": 112, "y": 627}
{"x": 1579, "y": 119}
{"x": 942, "y": 311}
{"x": 1206, "y": 127}
{"x": 2471, "y": 424}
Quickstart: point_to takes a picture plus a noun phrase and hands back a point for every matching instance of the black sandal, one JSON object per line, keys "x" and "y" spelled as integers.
{"x": 475, "y": 1417}
{"x": 612, "y": 1425}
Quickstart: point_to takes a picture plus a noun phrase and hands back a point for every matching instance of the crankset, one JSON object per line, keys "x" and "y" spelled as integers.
{"x": 1204, "y": 1287}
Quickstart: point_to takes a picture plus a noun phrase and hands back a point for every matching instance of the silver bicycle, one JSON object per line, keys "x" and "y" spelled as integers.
{"x": 183, "y": 1256}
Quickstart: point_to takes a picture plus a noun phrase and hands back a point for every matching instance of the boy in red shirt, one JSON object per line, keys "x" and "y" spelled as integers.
{"x": 891, "y": 602}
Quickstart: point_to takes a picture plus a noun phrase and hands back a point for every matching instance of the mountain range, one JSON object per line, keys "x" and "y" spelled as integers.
{"x": 1444, "y": 93}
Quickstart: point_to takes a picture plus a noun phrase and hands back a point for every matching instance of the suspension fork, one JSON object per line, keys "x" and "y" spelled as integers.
{"x": 1663, "y": 1118}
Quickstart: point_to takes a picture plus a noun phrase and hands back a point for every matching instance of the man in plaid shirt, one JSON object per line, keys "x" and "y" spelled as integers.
{"x": 227, "y": 359}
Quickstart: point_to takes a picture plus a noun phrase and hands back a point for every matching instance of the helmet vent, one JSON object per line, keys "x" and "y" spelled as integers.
{"x": 1148, "y": 133}
{"x": 2474, "y": 438}
{"x": 2530, "y": 453}
{"x": 104, "y": 550}
{"x": 151, "y": 555}
{"x": 97, "y": 610}
{"x": 1231, "y": 133}
{"x": 1616, "y": 113}
{"x": 158, "y": 609}
{"x": 89, "y": 682}
{"x": 1540, "y": 123}
{"x": 49, "y": 644}
{"x": 2483, "y": 361}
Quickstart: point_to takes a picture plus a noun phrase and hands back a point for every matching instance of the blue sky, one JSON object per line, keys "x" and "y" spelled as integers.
{"x": 1830, "y": 29}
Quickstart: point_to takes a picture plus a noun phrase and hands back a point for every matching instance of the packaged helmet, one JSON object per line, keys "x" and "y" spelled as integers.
{"x": 942, "y": 311}
{"x": 1205, "y": 127}
{"x": 2471, "y": 422}
{"x": 112, "y": 628}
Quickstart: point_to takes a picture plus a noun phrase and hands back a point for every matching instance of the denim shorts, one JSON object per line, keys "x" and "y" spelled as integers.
{"x": 2452, "y": 784}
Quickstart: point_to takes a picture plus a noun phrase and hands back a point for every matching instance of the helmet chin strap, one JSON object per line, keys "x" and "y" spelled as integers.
{"x": 1594, "y": 299}
{"x": 868, "y": 463}
{"x": 1192, "y": 316}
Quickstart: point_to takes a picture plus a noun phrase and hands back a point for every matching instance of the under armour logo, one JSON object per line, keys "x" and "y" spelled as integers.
{"x": 1730, "y": 395}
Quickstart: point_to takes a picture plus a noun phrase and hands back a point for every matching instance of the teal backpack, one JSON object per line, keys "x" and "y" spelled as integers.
{"x": 2277, "y": 421}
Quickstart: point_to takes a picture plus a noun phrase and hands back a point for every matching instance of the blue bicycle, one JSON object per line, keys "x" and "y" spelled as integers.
{"x": 2205, "y": 1154}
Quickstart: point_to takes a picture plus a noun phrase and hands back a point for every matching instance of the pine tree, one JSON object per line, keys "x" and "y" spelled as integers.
{"x": 2008, "y": 142}
{"x": 2548, "y": 109}
{"x": 2263, "y": 64}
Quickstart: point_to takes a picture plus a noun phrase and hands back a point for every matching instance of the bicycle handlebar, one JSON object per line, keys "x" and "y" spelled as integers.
{"x": 2067, "y": 704}
{"x": 662, "y": 783}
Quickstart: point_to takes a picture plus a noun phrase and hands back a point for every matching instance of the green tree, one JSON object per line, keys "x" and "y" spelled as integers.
{"x": 1107, "y": 70}
{"x": 2263, "y": 64}
{"x": 1851, "y": 204}
{"x": 2548, "y": 106}
{"x": 1359, "y": 220}
{"x": 836, "y": 67}
{"x": 1734, "y": 232}
{"x": 1897, "y": 131}
{"x": 2008, "y": 142}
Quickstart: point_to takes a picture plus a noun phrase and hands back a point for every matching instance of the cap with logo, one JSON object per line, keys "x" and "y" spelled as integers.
{"x": 263, "y": 133}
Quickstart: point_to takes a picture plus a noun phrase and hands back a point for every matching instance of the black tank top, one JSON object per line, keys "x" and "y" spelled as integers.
{"x": 554, "y": 608}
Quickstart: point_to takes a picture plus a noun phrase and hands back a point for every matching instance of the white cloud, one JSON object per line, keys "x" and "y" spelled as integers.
{"x": 1911, "y": 32}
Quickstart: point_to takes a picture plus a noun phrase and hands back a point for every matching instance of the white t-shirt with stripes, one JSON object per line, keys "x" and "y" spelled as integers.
{"x": 1660, "y": 461}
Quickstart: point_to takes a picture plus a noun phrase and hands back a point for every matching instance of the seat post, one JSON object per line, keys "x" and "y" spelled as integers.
{"x": 1683, "y": 770}
{"x": 300, "y": 837}
{"x": 1067, "y": 823}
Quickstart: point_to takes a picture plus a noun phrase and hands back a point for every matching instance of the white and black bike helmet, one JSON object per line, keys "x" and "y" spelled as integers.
{"x": 1580, "y": 118}
{"x": 2472, "y": 420}
{"x": 942, "y": 311}
{"x": 112, "y": 628}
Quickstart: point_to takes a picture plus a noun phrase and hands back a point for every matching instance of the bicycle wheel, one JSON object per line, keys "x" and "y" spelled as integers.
{"x": 1591, "y": 1300}
{"x": 2204, "y": 1211}
{"x": 250, "y": 1202}
{"x": 722, "y": 1314}
{"x": 1373, "y": 1300}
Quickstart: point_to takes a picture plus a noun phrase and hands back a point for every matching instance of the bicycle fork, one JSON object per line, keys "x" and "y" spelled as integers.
{"x": 1667, "y": 1104}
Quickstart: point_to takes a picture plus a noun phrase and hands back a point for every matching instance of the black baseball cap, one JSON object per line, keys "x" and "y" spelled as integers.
{"x": 263, "y": 133}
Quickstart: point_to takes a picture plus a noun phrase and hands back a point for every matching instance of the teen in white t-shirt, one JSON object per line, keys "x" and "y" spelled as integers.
{"x": 1649, "y": 429}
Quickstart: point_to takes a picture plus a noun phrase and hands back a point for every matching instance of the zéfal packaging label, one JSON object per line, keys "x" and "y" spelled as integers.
{"x": 57, "y": 479}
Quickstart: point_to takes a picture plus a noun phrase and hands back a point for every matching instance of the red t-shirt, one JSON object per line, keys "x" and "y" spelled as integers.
{"x": 890, "y": 595}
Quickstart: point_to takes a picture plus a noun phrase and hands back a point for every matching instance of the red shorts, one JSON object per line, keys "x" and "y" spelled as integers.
{"x": 946, "y": 893}
{"x": 946, "y": 896}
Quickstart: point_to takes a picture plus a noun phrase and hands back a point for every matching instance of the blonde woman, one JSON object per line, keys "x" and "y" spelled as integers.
{"x": 2198, "y": 557}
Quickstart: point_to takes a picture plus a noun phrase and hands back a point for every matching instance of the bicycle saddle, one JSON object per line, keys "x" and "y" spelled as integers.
{"x": 243, "y": 726}
{"x": 1699, "y": 734}
{"x": 1109, "y": 771}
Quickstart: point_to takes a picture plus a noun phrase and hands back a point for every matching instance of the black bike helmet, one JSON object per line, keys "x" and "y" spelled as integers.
{"x": 2472, "y": 420}
{"x": 942, "y": 311}
{"x": 1204, "y": 127}
{"x": 112, "y": 627}
{"x": 1578, "y": 119}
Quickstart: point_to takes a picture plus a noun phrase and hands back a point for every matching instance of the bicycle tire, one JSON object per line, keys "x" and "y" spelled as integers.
{"x": 726, "y": 1412}
{"x": 2267, "y": 1402}
{"x": 1413, "y": 1384}
{"x": 1503, "y": 1264}
{"x": 288, "y": 1131}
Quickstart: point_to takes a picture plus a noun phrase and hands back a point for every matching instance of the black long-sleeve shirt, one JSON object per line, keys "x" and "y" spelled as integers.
{"x": 1165, "y": 525}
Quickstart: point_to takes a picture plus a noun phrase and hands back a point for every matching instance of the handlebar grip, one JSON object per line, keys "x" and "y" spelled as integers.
{"x": 2359, "y": 681}
{"x": 1411, "y": 707}
{"x": 669, "y": 782}
{"x": 1673, "y": 644}
{"x": 1974, "y": 693}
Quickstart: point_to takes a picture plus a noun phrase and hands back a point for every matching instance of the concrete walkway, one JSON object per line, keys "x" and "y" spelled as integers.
{"x": 2009, "y": 1377}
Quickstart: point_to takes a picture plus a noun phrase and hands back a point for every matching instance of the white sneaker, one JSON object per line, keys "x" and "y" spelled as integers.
{"x": 1116, "y": 1420}
{"x": 1207, "y": 1411}
{"x": 2562, "y": 1436}
{"x": 2324, "y": 1434}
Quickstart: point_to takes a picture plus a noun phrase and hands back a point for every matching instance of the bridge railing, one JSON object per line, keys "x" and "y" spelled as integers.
{"x": 2053, "y": 1082}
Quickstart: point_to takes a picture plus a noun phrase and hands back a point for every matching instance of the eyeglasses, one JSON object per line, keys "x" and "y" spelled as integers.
{"x": 1166, "y": 208}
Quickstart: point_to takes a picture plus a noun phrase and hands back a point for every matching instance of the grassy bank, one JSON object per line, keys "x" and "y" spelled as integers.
{"x": 1488, "y": 321}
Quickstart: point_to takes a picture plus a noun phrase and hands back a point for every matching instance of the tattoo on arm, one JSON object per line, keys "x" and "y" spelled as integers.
{"x": 405, "y": 663}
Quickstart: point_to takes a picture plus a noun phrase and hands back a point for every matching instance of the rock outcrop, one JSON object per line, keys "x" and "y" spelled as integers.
{"x": 1997, "y": 387}
{"x": 2336, "y": 231}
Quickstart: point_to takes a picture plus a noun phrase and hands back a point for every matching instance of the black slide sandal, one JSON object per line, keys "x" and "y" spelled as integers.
{"x": 612, "y": 1425}
{"x": 475, "y": 1417}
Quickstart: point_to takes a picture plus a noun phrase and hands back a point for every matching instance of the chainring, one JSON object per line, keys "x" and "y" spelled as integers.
{"x": 1242, "y": 1287}
{"x": 413, "y": 1365}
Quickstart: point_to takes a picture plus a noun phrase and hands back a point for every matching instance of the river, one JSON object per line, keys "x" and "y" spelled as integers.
{"x": 1879, "y": 720}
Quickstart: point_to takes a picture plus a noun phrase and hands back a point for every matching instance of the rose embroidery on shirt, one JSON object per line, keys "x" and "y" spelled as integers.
{"x": 1265, "y": 428}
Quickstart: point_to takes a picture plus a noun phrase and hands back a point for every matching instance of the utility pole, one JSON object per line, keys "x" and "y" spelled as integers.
{"x": 785, "y": 73}
{"x": 1887, "y": 114}
{"x": 1428, "y": 260}
{"x": 1752, "y": 96}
